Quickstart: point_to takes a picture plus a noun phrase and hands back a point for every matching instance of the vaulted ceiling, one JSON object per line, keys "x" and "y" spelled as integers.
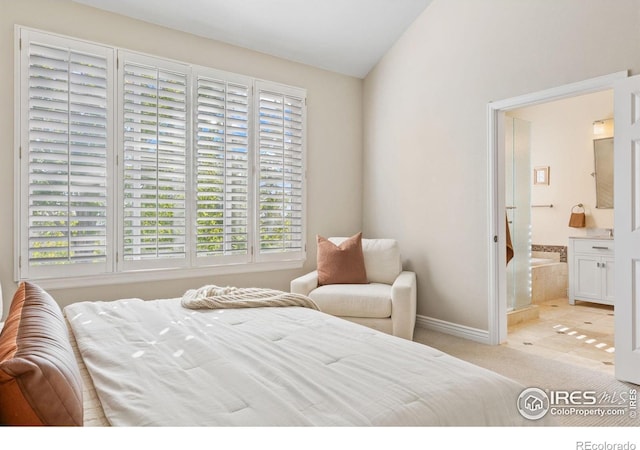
{"x": 344, "y": 36}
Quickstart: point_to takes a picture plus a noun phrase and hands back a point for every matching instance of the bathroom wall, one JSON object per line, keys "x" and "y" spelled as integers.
{"x": 562, "y": 138}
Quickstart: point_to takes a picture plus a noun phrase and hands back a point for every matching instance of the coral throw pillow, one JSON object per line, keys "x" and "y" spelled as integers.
{"x": 341, "y": 264}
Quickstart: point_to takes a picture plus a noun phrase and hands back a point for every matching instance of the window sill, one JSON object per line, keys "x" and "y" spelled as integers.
{"x": 140, "y": 276}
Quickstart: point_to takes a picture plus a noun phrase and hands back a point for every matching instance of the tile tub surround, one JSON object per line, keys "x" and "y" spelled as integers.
{"x": 549, "y": 281}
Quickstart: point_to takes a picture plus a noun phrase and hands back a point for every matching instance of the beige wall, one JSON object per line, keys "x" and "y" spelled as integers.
{"x": 425, "y": 125}
{"x": 334, "y": 131}
{"x": 562, "y": 138}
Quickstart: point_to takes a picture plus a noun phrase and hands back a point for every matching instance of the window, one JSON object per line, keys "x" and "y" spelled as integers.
{"x": 64, "y": 119}
{"x": 131, "y": 164}
{"x": 281, "y": 171}
{"x": 154, "y": 115}
{"x": 221, "y": 148}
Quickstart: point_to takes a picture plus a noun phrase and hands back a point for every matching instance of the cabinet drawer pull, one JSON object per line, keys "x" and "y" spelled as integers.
{"x": 600, "y": 248}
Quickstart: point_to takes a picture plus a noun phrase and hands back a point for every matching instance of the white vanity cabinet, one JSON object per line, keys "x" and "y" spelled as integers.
{"x": 591, "y": 270}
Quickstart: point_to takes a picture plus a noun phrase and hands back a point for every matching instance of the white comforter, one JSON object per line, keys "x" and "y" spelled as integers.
{"x": 157, "y": 363}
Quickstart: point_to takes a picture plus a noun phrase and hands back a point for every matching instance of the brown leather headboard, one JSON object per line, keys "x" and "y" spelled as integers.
{"x": 40, "y": 382}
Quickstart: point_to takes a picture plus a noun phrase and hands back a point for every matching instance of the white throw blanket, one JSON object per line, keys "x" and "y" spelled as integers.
{"x": 216, "y": 297}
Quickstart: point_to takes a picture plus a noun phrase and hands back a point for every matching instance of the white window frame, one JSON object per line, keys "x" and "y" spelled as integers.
{"x": 21, "y": 211}
{"x": 123, "y": 264}
{"x": 117, "y": 270}
{"x": 297, "y": 93}
{"x": 225, "y": 77}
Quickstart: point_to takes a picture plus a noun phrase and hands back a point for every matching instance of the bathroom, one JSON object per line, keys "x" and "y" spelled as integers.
{"x": 550, "y": 174}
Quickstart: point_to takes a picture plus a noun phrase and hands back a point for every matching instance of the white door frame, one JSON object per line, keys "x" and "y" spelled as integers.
{"x": 497, "y": 245}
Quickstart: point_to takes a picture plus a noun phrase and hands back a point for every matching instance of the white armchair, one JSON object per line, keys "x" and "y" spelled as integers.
{"x": 387, "y": 303}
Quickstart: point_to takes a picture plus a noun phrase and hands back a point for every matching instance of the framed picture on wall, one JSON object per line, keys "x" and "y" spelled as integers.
{"x": 541, "y": 175}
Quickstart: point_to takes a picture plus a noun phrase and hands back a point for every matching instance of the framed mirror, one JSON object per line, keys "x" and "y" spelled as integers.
{"x": 603, "y": 164}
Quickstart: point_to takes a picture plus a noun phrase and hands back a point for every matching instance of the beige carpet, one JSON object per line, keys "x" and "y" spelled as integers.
{"x": 536, "y": 371}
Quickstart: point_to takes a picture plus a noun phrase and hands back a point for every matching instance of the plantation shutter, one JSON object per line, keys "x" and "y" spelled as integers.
{"x": 222, "y": 168}
{"x": 66, "y": 148}
{"x": 129, "y": 162}
{"x": 154, "y": 115}
{"x": 280, "y": 170}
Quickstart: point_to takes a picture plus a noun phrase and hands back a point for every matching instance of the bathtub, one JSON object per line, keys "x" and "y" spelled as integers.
{"x": 542, "y": 261}
{"x": 549, "y": 277}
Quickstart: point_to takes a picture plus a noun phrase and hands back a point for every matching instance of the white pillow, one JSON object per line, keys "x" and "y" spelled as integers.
{"x": 381, "y": 259}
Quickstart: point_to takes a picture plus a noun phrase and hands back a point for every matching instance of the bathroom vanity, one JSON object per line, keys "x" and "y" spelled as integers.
{"x": 591, "y": 269}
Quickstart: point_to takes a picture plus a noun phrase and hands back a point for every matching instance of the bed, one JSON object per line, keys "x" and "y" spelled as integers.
{"x": 157, "y": 363}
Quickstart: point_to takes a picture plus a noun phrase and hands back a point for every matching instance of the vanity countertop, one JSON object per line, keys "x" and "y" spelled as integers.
{"x": 603, "y": 237}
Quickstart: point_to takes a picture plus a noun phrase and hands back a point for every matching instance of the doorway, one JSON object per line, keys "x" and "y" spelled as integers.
{"x": 549, "y": 168}
{"x": 497, "y": 203}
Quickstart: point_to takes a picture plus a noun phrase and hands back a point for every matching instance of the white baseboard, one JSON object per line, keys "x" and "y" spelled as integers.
{"x": 454, "y": 329}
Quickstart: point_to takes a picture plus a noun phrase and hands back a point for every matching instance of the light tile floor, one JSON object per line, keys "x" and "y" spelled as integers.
{"x": 581, "y": 334}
